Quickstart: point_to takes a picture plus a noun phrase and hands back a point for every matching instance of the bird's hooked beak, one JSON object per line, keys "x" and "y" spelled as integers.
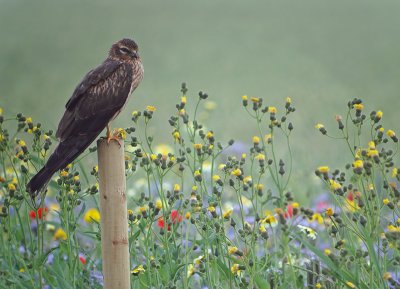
{"x": 135, "y": 55}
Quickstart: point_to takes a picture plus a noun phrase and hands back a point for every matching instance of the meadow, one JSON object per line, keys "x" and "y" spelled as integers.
{"x": 207, "y": 213}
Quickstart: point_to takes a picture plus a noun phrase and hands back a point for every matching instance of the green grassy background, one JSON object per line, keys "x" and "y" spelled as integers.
{"x": 321, "y": 53}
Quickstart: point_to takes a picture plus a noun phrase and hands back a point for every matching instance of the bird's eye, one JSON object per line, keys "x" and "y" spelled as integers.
{"x": 124, "y": 50}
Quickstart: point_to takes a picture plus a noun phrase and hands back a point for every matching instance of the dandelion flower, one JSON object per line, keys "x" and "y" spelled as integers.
{"x": 60, "y": 235}
{"x": 92, "y": 215}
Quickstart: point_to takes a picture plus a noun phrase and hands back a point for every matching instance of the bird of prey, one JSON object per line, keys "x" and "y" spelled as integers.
{"x": 97, "y": 100}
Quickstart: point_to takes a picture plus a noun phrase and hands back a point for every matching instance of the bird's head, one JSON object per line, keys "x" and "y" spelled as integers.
{"x": 125, "y": 50}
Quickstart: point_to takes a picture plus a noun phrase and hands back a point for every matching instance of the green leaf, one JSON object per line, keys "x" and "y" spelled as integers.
{"x": 261, "y": 282}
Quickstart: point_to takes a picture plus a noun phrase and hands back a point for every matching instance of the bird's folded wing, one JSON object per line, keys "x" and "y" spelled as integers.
{"x": 96, "y": 100}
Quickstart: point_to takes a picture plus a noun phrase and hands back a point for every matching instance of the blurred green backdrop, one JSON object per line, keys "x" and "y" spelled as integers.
{"x": 322, "y": 53}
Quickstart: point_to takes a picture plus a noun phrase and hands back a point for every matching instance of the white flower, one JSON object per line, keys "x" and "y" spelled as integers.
{"x": 308, "y": 231}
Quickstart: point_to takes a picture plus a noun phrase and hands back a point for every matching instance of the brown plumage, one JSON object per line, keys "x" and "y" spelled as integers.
{"x": 97, "y": 100}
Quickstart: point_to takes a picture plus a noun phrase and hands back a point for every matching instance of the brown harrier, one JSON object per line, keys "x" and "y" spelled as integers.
{"x": 97, "y": 100}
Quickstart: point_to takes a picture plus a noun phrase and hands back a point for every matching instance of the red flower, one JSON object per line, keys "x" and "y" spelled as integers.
{"x": 161, "y": 223}
{"x": 40, "y": 213}
{"x": 289, "y": 212}
{"x": 175, "y": 218}
{"x": 82, "y": 259}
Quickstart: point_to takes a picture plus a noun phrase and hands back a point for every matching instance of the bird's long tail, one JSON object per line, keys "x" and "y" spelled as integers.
{"x": 65, "y": 153}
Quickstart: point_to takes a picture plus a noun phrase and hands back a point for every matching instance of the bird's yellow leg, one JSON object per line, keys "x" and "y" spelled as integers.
{"x": 113, "y": 136}
{"x": 108, "y": 134}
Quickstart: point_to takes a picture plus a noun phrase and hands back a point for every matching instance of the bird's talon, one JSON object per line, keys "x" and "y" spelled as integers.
{"x": 114, "y": 136}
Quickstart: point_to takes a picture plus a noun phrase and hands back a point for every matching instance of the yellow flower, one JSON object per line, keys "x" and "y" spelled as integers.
{"x": 394, "y": 172}
{"x": 60, "y": 235}
{"x": 177, "y": 188}
{"x": 21, "y": 143}
{"x": 254, "y": 99}
{"x": 288, "y": 99}
{"x": 28, "y": 120}
{"x": 187, "y": 216}
{"x": 209, "y": 135}
{"x": 150, "y": 108}
{"x": 256, "y": 140}
{"x": 137, "y": 270}
{"x": 318, "y": 286}
{"x": 183, "y": 99}
{"x": 191, "y": 270}
{"x": 334, "y": 185}
{"x": 197, "y": 146}
{"x": 221, "y": 167}
{"x": 269, "y": 219}
{"x": 227, "y": 213}
{"x": 329, "y": 212}
{"x": 142, "y": 209}
{"x": 327, "y": 252}
{"x": 390, "y": 133}
{"x": 295, "y": 205}
{"x": 351, "y": 285}
{"x": 236, "y": 269}
{"x": 234, "y": 251}
{"x": 176, "y": 135}
{"x": 244, "y": 97}
{"x": 244, "y": 156}
{"x": 76, "y": 178}
{"x": 216, "y": 178}
{"x": 379, "y": 114}
{"x": 260, "y": 157}
{"x": 372, "y": 153}
{"x": 323, "y": 169}
{"x": 198, "y": 260}
{"x": 387, "y": 276}
{"x": 358, "y": 106}
{"x": 317, "y": 217}
{"x": 11, "y": 187}
{"x": 351, "y": 205}
{"x": 236, "y": 172}
{"x": 319, "y": 126}
{"x": 92, "y": 215}
{"x": 211, "y": 209}
{"x": 272, "y": 109}
{"x": 392, "y": 228}
{"x": 386, "y": 201}
{"x": 372, "y": 145}
{"x": 122, "y": 133}
{"x": 158, "y": 204}
{"x": 259, "y": 187}
{"x": 268, "y": 138}
{"x": 358, "y": 164}
{"x": 64, "y": 173}
{"x": 247, "y": 179}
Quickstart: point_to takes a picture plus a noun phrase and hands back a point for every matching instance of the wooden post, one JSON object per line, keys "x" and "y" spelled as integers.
{"x": 113, "y": 211}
